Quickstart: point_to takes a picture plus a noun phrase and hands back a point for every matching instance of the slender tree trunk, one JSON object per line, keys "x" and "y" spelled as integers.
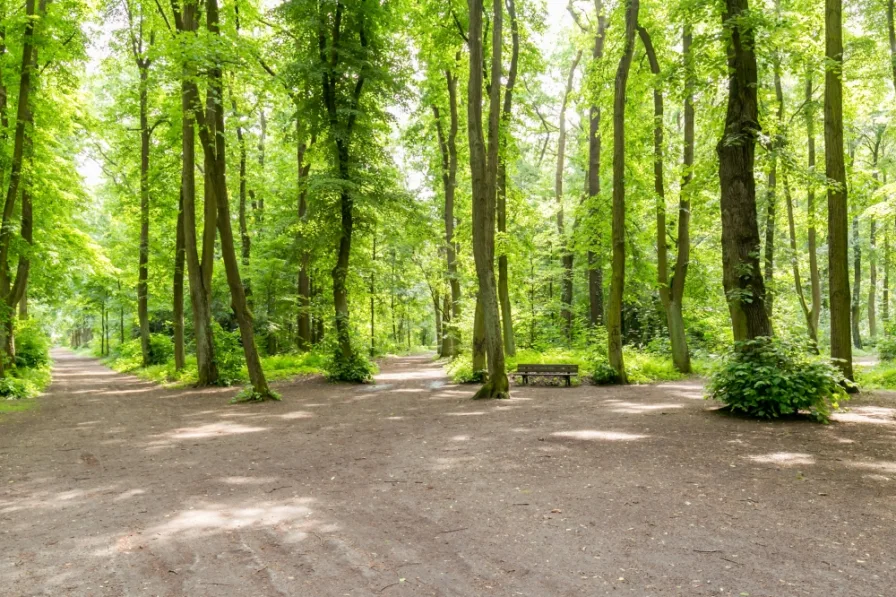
{"x": 448, "y": 146}
{"x": 373, "y": 299}
{"x": 199, "y": 293}
{"x": 617, "y": 286}
{"x": 744, "y": 286}
{"x": 672, "y": 291}
{"x": 814, "y": 276}
{"x": 872, "y": 282}
{"x": 795, "y": 263}
{"x": 838, "y": 234}
{"x": 857, "y": 284}
{"x": 143, "y": 270}
{"x": 215, "y": 152}
{"x": 178, "y": 292}
{"x": 885, "y": 294}
{"x": 303, "y": 318}
{"x": 566, "y": 256}
{"x": 503, "y": 276}
{"x": 245, "y": 239}
{"x": 483, "y": 167}
{"x": 480, "y": 360}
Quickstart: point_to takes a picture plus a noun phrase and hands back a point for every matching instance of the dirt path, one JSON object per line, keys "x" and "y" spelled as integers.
{"x": 116, "y": 487}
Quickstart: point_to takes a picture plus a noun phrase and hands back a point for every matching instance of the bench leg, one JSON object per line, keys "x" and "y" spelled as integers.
{"x": 525, "y": 380}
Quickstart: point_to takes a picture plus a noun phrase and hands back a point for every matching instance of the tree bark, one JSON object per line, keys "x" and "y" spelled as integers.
{"x": 872, "y": 246}
{"x": 857, "y": 284}
{"x": 814, "y": 276}
{"x": 448, "y": 147}
{"x": 744, "y": 286}
{"x": 672, "y": 292}
{"x": 178, "y": 291}
{"x": 483, "y": 167}
{"x": 617, "y": 285}
{"x": 215, "y": 152}
{"x": 503, "y": 276}
{"x": 143, "y": 269}
{"x": 303, "y": 167}
{"x": 566, "y": 256}
{"x": 187, "y": 24}
{"x": 838, "y": 234}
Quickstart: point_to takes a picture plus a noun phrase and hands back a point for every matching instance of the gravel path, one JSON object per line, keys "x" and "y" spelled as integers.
{"x": 114, "y": 486}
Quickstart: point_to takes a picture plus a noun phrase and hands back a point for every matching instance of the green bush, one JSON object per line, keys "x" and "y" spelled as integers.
{"x": 355, "y": 369}
{"x": 886, "y": 348}
{"x": 769, "y": 378}
{"x": 161, "y": 349}
{"x": 25, "y": 383}
{"x": 603, "y": 374}
{"x": 228, "y": 355}
{"x": 32, "y": 344}
{"x": 461, "y": 369}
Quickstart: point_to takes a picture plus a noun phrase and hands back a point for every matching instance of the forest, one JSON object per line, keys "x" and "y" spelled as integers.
{"x": 214, "y": 194}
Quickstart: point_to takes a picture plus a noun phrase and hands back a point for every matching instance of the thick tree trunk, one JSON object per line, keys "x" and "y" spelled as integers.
{"x": 199, "y": 293}
{"x": 617, "y": 285}
{"x": 483, "y": 167}
{"x": 838, "y": 234}
{"x": 503, "y": 276}
{"x": 480, "y": 360}
{"x": 566, "y": 256}
{"x": 178, "y": 291}
{"x": 215, "y": 153}
{"x": 744, "y": 286}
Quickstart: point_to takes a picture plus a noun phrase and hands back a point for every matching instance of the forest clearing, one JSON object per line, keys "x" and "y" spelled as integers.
{"x": 117, "y": 487}
{"x": 447, "y": 297}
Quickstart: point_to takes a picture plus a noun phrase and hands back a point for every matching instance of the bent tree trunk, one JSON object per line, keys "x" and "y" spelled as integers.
{"x": 617, "y": 286}
{"x": 671, "y": 293}
{"x": 838, "y": 233}
{"x": 742, "y": 276}
{"x": 215, "y": 153}
{"x": 483, "y": 168}
{"x": 207, "y": 368}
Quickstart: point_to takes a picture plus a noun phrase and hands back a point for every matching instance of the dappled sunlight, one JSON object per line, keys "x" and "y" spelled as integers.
{"x": 294, "y": 415}
{"x": 595, "y": 435}
{"x": 394, "y": 418}
{"x": 783, "y": 458}
{"x": 471, "y": 413}
{"x": 635, "y": 408}
{"x": 449, "y": 462}
{"x": 78, "y": 374}
{"x": 246, "y": 480}
{"x": 876, "y": 415}
{"x": 289, "y": 519}
{"x": 461, "y": 438}
{"x": 420, "y": 374}
{"x": 210, "y": 430}
{"x": 880, "y": 466}
{"x": 128, "y": 495}
{"x": 125, "y": 392}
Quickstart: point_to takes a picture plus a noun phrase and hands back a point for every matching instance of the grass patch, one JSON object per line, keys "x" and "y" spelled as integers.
{"x": 881, "y": 376}
{"x": 276, "y": 367}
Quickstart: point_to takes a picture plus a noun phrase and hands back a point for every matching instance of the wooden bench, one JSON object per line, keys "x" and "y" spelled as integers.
{"x": 553, "y": 371}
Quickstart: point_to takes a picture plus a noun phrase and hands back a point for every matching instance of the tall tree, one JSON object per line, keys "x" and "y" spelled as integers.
{"x": 617, "y": 286}
{"x": 566, "y": 254}
{"x": 742, "y": 276}
{"x": 198, "y": 272}
{"x": 838, "y": 234}
{"x": 672, "y": 291}
{"x": 484, "y": 169}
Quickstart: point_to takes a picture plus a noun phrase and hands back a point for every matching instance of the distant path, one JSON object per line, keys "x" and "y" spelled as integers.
{"x": 114, "y": 487}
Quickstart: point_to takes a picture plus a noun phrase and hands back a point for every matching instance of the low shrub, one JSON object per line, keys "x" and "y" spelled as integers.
{"x": 228, "y": 355}
{"x": 886, "y": 348}
{"x": 603, "y": 374}
{"x": 32, "y": 344}
{"x": 354, "y": 369}
{"x": 25, "y": 383}
{"x": 769, "y": 378}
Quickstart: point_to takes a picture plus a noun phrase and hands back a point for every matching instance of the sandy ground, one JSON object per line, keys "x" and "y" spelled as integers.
{"x": 116, "y": 487}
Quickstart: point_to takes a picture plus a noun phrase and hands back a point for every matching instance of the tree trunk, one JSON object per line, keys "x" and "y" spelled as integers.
{"x": 303, "y": 318}
{"x": 199, "y": 293}
{"x": 838, "y": 234}
{"x": 480, "y": 361}
{"x": 143, "y": 270}
{"x": 795, "y": 263}
{"x": 857, "y": 284}
{"x": 566, "y": 256}
{"x": 595, "y": 269}
{"x": 671, "y": 292}
{"x": 178, "y": 307}
{"x": 814, "y": 277}
{"x": 448, "y": 146}
{"x": 872, "y": 282}
{"x": 373, "y": 300}
{"x": 483, "y": 167}
{"x": 617, "y": 285}
{"x": 885, "y": 294}
{"x": 245, "y": 239}
{"x": 744, "y": 286}
{"x": 215, "y": 153}
{"x": 503, "y": 277}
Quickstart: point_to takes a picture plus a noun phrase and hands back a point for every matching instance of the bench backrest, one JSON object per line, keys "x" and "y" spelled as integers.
{"x": 568, "y": 369}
